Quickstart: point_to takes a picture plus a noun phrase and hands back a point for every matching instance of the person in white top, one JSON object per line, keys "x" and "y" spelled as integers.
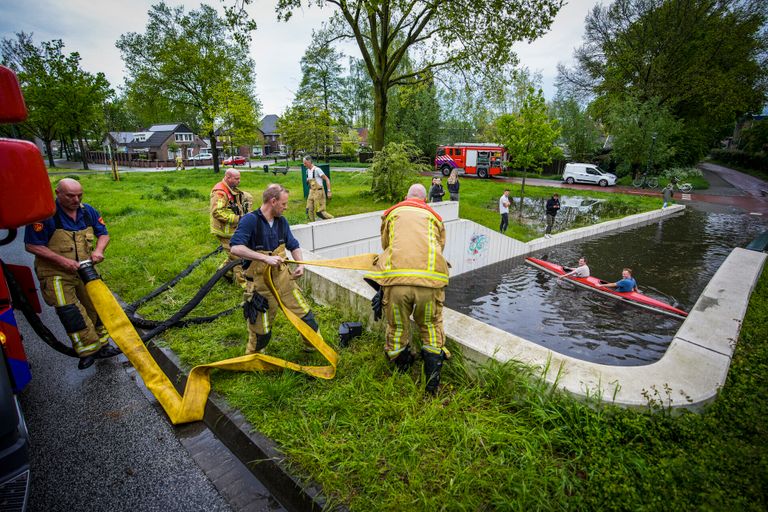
{"x": 581, "y": 271}
{"x": 316, "y": 198}
{"x": 504, "y": 210}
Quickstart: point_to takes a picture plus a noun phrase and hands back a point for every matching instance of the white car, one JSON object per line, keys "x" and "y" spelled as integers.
{"x": 201, "y": 156}
{"x": 587, "y": 173}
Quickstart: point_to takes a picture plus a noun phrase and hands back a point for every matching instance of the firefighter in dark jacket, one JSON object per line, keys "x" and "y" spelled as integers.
{"x": 413, "y": 274}
{"x": 262, "y": 238}
{"x": 59, "y": 244}
{"x": 228, "y": 205}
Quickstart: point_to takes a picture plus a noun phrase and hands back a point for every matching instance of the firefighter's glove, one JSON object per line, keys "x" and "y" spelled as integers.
{"x": 253, "y": 306}
{"x": 377, "y": 304}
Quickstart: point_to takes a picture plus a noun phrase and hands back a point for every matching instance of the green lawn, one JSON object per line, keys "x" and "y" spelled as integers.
{"x": 499, "y": 440}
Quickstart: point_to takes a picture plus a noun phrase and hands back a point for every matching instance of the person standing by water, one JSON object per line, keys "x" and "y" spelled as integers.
{"x": 504, "y": 211}
{"x": 553, "y": 206}
{"x": 667, "y": 194}
{"x": 436, "y": 191}
{"x": 453, "y": 185}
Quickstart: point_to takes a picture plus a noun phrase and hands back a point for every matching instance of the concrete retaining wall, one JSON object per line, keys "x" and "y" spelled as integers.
{"x": 469, "y": 245}
{"x": 693, "y": 369}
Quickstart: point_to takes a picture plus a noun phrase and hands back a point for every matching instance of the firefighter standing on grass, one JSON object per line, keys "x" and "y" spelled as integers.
{"x": 262, "y": 239}
{"x": 413, "y": 274}
{"x": 59, "y": 244}
{"x": 316, "y": 198}
{"x": 228, "y": 205}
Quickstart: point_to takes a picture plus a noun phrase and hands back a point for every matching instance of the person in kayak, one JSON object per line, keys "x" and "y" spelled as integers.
{"x": 581, "y": 271}
{"x": 627, "y": 283}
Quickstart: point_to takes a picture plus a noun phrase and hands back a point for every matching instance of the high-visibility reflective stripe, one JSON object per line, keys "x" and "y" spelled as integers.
{"x": 58, "y": 289}
{"x": 401, "y": 272}
{"x": 388, "y": 262}
{"x": 300, "y": 299}
{"x": 429, "y": 325}
{"x": 398, "y": 328}
{"x": 265, "y": 321}
{"x": 431, "y": 241}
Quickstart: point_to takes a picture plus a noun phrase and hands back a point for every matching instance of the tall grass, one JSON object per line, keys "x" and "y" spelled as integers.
{"x": 500, "y": 439}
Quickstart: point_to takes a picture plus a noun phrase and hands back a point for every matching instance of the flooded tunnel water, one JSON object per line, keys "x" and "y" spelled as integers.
{"x": 673, "y": 259}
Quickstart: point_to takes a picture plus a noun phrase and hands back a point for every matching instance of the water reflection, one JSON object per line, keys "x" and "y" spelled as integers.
{"x": 575, "y": 211}
{"x": 673, "y": 258}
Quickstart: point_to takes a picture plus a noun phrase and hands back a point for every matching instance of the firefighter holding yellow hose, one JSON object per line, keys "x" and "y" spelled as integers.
{"x": 262, "y": 239}
{"x": 228, "y": 205}
{"x": 59, "y": 244}
{"x": 413, "y": 274}
{"x": 316, "y": 198}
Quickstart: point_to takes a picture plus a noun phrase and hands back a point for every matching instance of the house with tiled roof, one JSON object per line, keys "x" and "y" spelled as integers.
{"x": 272, "y": 141}
{"x": 157, "y": 142}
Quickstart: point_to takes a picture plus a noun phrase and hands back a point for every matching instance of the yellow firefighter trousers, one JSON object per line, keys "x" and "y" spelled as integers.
{"x": 426, "y": 306}
{"x": 238, "y": 270}
{"x": 66, "y": 293}
{"x": 316, "y": 202}
{"x": 289, "y": 293}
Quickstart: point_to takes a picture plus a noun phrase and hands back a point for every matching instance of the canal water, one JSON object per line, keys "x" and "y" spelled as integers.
{"x": 673, "y": 259}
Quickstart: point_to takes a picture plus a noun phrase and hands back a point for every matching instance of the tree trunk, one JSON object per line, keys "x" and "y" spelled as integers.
{"x": 83, "y": 155}
{"x": 522, "y": 195}
{"x": 214, "y": 152}
{"x": 48, "y": 150}
{"x": 379, "y": 115}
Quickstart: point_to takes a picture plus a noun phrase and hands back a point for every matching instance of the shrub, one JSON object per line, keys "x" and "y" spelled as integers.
{"x": 394, "y": 169}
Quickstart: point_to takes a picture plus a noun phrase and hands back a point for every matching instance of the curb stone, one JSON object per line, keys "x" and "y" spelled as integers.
{"x": 257, "y": 452}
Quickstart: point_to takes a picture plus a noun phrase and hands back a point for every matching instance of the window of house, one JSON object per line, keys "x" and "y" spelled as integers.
{"x": 190, "y": 152}
{"x": 183, "y": 137}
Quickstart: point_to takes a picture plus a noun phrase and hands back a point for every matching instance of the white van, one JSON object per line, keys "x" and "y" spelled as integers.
{"x": 587, "y": 173}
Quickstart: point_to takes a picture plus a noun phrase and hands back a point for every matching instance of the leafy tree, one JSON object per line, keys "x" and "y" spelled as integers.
{"x": 643, "y": 133}
{"x": 394, "y": 169}
{"x": 320, "y": 91}
{"x": 190, "y": 63}
{"x": 529, "y": 136}
{"x": 703, "y": 60}
{"x": 443, "y": 33}
{"x": 62, "y": 99}
{"x": 307, "y": 129}
{"x": 415, "y": 116}
{"x": 357, "y": 96}
{"x": 350, "y": 144}
{"x": 579, "y": 131}
{"x": 754, "y": 137}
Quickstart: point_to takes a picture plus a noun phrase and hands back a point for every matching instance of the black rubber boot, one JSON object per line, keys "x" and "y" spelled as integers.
{"x": 403, "y": 361}
{"x": 433, "y": 364}
{"x": 262, "y": 340}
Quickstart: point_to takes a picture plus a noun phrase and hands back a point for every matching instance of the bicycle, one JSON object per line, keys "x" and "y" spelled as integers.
{"x": 644, "y": 181}
{"x": 682, "y": 187}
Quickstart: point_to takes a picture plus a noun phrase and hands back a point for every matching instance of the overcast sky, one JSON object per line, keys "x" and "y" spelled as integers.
{"x": 92, "y": 27}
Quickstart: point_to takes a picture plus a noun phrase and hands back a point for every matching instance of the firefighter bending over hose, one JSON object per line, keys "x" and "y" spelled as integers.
{"x": 228, "y": 205}
{"x": 316, "y": 198}
{"x": 59, "y": 244}
{"x": 262, "y": 238}
{"x": 413, "y": 274}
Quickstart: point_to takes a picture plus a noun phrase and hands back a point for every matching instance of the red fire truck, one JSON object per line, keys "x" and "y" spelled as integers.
{"x": 481, "y": 159}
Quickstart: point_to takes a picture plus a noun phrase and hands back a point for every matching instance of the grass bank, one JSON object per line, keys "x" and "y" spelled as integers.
{"x": 502, "y": 440}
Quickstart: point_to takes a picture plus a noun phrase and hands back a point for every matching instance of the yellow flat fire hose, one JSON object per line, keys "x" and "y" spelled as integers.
{"x": 190, "y": 406}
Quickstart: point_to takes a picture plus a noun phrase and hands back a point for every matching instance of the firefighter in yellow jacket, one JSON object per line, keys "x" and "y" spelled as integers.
{"x": 59, "y": 244}
{"x": 413, "y": 274}
{"x": 316, "y": 197}
{"x": 228, "y": 205}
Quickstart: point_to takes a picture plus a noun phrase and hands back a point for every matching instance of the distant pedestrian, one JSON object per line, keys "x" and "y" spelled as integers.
{"x": 504, "y": 204}
{"x": 453, "y": 185}
{"x": 668, "y": 194}
{"x": 436, "y": 191}
{"x": 553, "y": 206}
{"x": 179, "y": 163}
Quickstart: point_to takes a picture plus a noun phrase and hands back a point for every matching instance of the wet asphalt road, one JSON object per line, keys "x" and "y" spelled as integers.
{"x": 98, "y": 443}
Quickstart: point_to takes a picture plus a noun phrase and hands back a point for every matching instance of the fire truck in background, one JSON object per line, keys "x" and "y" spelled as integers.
{"x": 25, "y": 197}
{"x": 471, "y": 158}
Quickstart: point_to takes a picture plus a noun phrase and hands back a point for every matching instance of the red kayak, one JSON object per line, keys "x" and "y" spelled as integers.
{"x": 598, "y": 285}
